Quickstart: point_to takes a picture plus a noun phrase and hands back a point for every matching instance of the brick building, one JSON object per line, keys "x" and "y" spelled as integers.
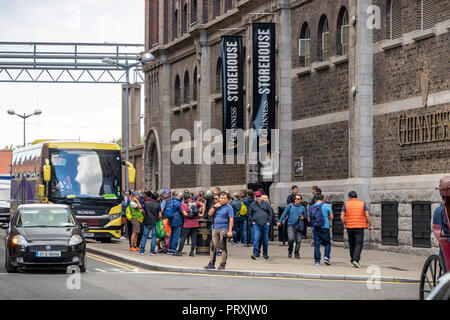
{"x": 363, "y": 103}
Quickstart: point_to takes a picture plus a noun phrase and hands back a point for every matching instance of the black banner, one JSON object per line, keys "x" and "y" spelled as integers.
{"x": 263, "y": 118}
{"x": 232, "y": 91}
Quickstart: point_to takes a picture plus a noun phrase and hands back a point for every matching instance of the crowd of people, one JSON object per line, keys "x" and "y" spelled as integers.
{"x": 243, "y": 219}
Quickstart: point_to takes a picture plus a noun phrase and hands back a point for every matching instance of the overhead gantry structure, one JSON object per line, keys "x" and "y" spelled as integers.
{"x": 63, "y": 62}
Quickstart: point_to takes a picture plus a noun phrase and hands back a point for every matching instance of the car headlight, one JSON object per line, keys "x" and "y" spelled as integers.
{"x": 114, "y": 216}
{"x": 75, "y": 240}
{"x": 19, "y": 240}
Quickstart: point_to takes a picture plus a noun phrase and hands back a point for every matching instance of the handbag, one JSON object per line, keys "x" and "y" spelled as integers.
{"x": 160, "y": 229}
{"x": 299, "y": 226}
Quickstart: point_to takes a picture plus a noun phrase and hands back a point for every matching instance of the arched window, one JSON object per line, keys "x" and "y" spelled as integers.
{"x": 194, "y": 11}
{"x": 184, "y": 20}
{"x": 304, "y": 46}
{"x": 175, "y": 25}
{"x": 393, "y": 19}
{"x": 342, "y": 32}
{"x": 323, "y": 41}
{"x": 427, "y": 14}
{"x": 176, "y": 99}
{"x": 194, "y": 87}
{"x": 219, "y": 76}
{"x": 186, "y": 88}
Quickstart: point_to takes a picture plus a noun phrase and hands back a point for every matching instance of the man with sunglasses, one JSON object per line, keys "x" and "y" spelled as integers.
{"x": 296, "y": 216}
{"x": 223, "y": 219}
{"x": 260, "y": 217}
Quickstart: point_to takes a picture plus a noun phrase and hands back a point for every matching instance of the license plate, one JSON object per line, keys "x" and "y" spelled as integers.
{"x": 48, "y": 254}
{"x": 88, "y": 234}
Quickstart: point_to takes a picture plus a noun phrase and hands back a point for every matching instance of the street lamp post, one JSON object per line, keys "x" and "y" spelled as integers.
{"x": 11, "y": 112}
{"x": 147, "y": 57}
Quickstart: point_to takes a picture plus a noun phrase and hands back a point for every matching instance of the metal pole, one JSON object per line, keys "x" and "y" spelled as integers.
{"x": 126, "y": 127}
{"x": 24, "y": 117}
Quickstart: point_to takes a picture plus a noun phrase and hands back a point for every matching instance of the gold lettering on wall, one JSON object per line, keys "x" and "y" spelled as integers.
{"x": 423, "y": 128}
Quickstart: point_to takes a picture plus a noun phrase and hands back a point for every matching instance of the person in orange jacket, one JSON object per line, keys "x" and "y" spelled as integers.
{"x": 355, "y": 216}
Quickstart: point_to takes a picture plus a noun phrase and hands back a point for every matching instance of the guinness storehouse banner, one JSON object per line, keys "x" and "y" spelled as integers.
{"x": 263, "y": 83}
{"x": 232, "y": 92}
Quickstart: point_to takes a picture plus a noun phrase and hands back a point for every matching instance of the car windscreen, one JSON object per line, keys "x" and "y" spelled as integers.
{"x": 45, "y": 217}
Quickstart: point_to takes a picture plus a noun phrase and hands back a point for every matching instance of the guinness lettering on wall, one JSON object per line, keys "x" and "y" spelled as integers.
{"x": 423, "y": 128}
{"x": 263, "y": 82}
{"x": 232, "y": 93}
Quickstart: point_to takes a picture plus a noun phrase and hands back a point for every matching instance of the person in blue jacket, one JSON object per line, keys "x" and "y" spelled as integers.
{"x": 295, "y": 212}
{"x": 173, "y": 212}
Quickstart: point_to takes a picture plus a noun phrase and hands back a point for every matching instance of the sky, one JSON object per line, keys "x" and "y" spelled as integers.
{"x": 90, "y": 112}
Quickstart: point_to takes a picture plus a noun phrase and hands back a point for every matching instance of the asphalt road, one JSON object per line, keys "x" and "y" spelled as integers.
{"x": 110, "y": 279}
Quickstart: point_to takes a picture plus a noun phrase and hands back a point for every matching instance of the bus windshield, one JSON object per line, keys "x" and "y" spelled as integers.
{"x": 85, "y": 173}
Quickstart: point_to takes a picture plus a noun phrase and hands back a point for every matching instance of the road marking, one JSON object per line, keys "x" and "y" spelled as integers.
{"x": 105, "y": 270}
{"x": 138, "y": 270}
{"x": 114, "y": 262}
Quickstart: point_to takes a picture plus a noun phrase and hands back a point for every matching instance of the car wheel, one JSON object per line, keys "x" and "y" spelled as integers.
{"x": 8, "y": 265}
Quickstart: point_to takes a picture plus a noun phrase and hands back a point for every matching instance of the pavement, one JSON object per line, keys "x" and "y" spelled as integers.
{"x": 376, "y": 265}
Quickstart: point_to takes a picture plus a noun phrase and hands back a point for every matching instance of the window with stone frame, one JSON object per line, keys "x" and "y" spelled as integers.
{"x": 425, "y": 14}
{"x": 184, "y": 20}
{"x": 175, "y": 25}
{"x": 149, "y": 98}
{"x": 156, "y": 91}
{"x": 304, "y": 46}
{"x": 205, "y": 11}
{"x": 342, "y": 36}
{"x": 219, "y": 76}
{"x": 177, "y": 92}
{"x": 186, "y": 88}
{"x": 394, "y": 29}
{"x": 194, "y": 85}
{"x": 228, "y": 5}
{"x": 323, "y": 41}
{"x": 216, "y": 8}
{"x": 194, "y": 11}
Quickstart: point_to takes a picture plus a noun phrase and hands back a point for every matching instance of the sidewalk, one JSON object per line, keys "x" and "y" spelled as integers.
{"x": 394, "y": 267}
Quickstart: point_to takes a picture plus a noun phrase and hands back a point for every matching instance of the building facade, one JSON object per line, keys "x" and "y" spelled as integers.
{"x": 362, "y": 103}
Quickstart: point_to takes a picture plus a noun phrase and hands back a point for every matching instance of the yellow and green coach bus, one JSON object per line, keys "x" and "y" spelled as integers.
{"x": 87, "y": 176}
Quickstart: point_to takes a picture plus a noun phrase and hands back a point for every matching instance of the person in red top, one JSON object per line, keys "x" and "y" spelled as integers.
{"x": 355, "y": 216}
{"x": 190, "y": 224}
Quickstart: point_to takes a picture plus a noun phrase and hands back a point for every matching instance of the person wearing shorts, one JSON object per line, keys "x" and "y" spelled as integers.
{"x": 135, "y": 224}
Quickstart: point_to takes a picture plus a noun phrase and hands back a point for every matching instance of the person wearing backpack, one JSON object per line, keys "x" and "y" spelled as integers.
{"x": 355, "y": 216}
{"x": 173, "y": 213}
{"x": 296, "y": 214}
{"x": 248, "y": 200}
{"x": 192, "y": 211}
{"x": 319, "y": 217}
{"x": 240, "y": 211}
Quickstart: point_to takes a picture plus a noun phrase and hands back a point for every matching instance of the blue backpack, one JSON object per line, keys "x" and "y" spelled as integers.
{"x": 317, "y": 219}
{"x": 170, "y": 209}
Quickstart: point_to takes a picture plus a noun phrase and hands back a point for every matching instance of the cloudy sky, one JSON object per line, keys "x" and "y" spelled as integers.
{"x": 69, "y": 111}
